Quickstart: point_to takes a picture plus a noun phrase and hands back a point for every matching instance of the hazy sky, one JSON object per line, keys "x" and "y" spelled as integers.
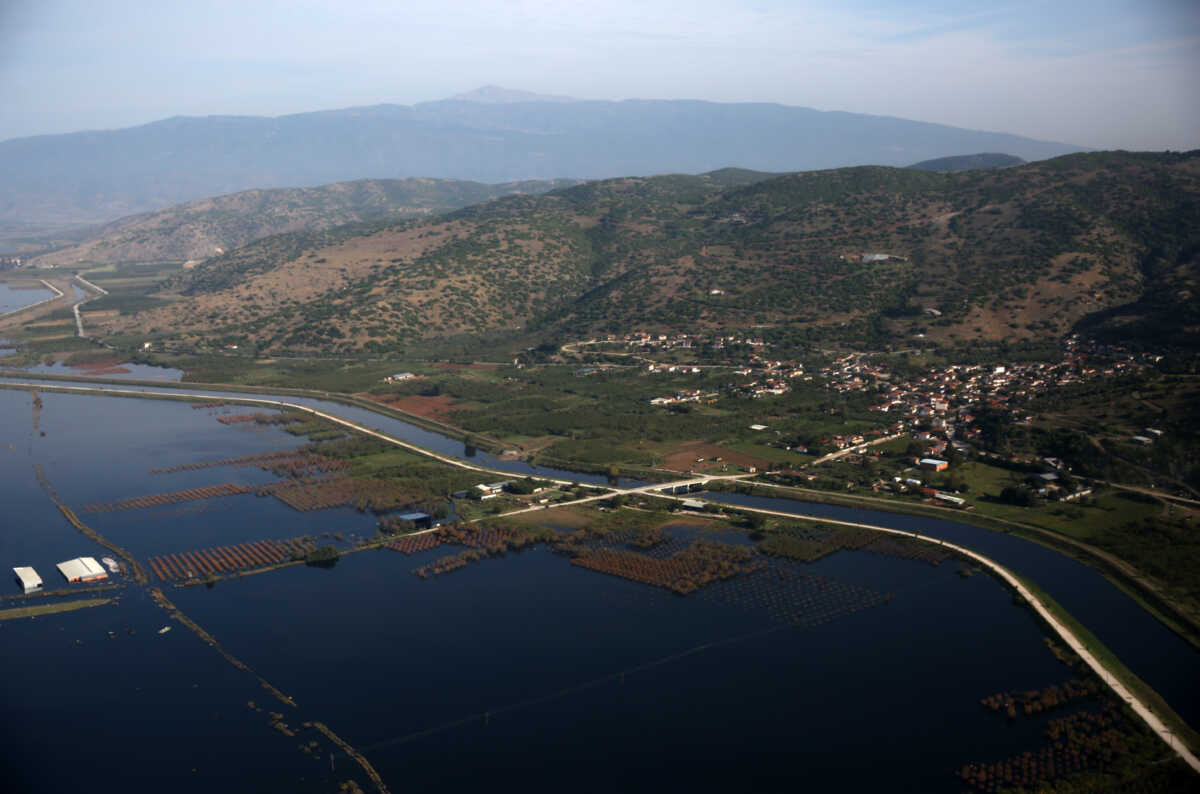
{"x": 1103, "y": 73}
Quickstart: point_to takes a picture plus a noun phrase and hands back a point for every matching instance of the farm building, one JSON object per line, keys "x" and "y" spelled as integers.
{"x": 82, "y": 569}
{"x": 492, "y": 489}
{"x": 933, "y": 464}
{"x": 953, "y": 500}
{"x": 28, "y": 578}
{"x": 420, "y": 520}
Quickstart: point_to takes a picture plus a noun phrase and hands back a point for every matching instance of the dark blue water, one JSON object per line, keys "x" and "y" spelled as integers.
{"x": 465, "y": 678}
{"x": 1155, "y": 653}
{"x": 134, "y": 712}
{"x": 506, "y": 673}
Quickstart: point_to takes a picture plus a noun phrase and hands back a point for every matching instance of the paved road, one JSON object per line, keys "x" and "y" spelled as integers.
{"x": 856, "y": 448}
{"x": 1142, "y": 709}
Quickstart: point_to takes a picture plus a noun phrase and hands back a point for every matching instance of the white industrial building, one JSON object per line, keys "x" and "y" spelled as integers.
{"x": 28, "y": 578}
{"x": 82, "y": 569}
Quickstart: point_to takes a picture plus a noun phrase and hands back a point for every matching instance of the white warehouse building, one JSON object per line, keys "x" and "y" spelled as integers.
{"x": 28, "y": 578}
{"x": 82, "y": 569}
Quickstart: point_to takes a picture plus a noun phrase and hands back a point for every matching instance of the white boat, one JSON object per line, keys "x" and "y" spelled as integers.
{"x": 112, "y": 565}
{"x": 164, "y": 629}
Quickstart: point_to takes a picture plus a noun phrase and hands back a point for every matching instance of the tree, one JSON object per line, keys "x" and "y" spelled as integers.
{"x": 1018, "y": 495}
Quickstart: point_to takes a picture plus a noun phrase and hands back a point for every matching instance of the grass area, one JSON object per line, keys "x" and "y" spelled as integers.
{"x": 50, "y": 609}
{"x": 766, "y": 452}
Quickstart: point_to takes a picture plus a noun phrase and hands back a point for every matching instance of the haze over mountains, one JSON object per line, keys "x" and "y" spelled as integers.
{"x": 490, "y": 135}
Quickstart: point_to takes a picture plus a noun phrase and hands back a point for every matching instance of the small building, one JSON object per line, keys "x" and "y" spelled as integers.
{"x": 419, "y": 520}
{"x": 491, "y": 490}
{"x": 758, "y": 427}
{"x": 953, "y": 500}
{"x": 399, "y": 377}
{"x": 28, "y": 578}
{"x": 933, "y": 464}
{"x": 693, "y": 504}
{"x": 82, "y": 569}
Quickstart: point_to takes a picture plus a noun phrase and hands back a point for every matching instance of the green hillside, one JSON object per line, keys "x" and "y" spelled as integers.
{"x": 866, "y": 255}
{"x": 210, "y": 227}
{"x": 967, "y": 162}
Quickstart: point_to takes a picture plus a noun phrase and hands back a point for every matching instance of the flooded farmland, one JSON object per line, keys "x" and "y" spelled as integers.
{"x": 673, "y": 659}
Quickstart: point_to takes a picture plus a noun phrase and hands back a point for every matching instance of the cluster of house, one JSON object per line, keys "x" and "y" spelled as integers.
{"x": 685, "y": 396}
{"x": 773, "y": 378}
{"x": 654, "y": 341}
{"x": 10, "y": 262}
{"x": 943, "y": 397}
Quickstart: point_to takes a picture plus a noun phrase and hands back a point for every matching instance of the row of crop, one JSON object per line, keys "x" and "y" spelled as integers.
{"x": 173, "y": 497}
{"x": 481, "y": 542}
{"x": 358, "y": 492}
{"x": 227, "y": 559}
{"x": 412, "y": 544}
{"x": 264, "y": 460}
{"x": 789, "y": 595}
{"x": 1036, "y": 701}
{"x": 908, "y": 549}
{"x": 699, "y": 565}
{"x": 259, "y": 418}
{"x": 1078, "y": 743}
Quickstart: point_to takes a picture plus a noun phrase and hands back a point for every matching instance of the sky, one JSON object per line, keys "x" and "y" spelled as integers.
{"x": 1100, "y": 73}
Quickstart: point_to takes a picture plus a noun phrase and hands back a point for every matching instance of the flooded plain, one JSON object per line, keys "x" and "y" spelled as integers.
{"x": 521, "y": 669}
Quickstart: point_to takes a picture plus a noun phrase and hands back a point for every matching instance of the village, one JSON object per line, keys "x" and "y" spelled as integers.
{"x": 936, "y": 409}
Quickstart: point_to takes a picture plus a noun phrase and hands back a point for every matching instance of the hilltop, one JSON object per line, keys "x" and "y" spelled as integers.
{"x": 210, "y": 227}
{"x": 867, "y": 255}
{"x": 491, "y": 135}
{"x": 967, "y": 162}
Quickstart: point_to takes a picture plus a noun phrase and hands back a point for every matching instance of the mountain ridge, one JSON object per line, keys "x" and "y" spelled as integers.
{"x": 98, "y": 176}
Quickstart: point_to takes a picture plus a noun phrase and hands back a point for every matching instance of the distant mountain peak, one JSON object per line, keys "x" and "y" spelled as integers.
{"x": 497, "y": 95}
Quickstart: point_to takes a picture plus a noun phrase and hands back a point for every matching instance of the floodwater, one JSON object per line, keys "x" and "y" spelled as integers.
{"x": 11, "y": 298}
{"x": 120, "y": 371}
{"x": 1158, "y": 655}
{"x": 522, "y": 670}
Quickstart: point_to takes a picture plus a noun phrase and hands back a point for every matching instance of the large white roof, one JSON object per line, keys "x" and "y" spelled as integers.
{"x": 81, "y": 568}
{"x": 29, "y": 577}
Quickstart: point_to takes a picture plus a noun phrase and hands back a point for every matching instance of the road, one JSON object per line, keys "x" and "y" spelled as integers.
{"x": 856, "y": 448}
{"x": 75, "y": 306}
{"x": 1141, "y": 708}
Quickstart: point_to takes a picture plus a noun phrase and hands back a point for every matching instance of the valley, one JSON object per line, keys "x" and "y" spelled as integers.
{"x": 694, "y": 386}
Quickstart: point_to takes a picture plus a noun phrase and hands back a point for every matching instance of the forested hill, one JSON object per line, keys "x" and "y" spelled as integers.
{"x": 200, "y": 229}
{"x": 871, "y": 255}
{"x": 966, "y": 162}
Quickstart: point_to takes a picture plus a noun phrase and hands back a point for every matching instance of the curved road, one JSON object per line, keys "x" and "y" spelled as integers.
{"x": 1142, "y": 709}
